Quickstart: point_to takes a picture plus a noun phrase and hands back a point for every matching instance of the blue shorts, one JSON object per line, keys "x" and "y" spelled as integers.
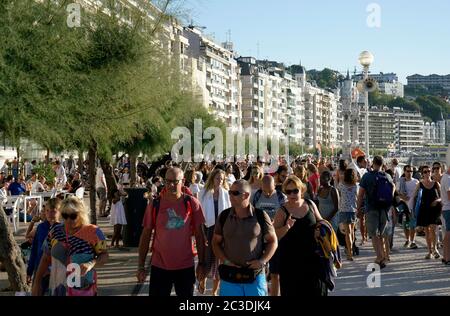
{"x": 446, "y": 215}
{"x": 257, "y": 288}
{"x": 347, "y": 217}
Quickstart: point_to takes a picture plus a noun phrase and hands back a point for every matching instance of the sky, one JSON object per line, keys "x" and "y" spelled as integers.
{"x": 413, "y": 36}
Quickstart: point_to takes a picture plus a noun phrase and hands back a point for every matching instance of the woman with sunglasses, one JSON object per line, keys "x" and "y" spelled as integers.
{"x": 74, "y": 242}
{"x": 256, "y": 177}
{"x": 295, "y": 224}
{"x": 429, "y": 210}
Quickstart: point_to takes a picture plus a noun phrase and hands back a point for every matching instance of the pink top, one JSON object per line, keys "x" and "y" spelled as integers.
{"x": 172, "y": 248}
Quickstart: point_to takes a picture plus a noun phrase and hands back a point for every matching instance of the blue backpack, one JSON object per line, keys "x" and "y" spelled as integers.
{"x": 383, "y": 192}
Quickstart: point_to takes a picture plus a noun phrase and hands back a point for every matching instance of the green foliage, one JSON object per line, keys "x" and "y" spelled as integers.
{"x": 429, "y": 106}
{"x": 417, "y": 91}
{"x": 326, "y": 79}
{"x": 105, "y": 82}
{"x": 45, "y": 170}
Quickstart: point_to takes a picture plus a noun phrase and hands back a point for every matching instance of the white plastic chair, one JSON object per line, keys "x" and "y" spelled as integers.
{"x": 14, "y": 202}
{"x": 54, "y": 193}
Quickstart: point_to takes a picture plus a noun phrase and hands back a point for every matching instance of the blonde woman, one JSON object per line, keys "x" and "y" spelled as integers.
{"x": 73, "y": 242}
{"x": 256, "y": 177}
{"x": 294, "y": 224}
{"x": 301, "y": 173}
{"x": 214, "y": 199}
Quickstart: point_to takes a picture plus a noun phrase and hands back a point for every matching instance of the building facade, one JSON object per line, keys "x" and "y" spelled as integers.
{"x": 409, "y": 133}
{"x": 431, "y": 80}
{"x": 395, "y": 89}
{"x": 381, "y": 128}
{"x": 216, "y": 77}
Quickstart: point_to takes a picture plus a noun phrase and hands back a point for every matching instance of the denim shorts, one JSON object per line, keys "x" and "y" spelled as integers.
{"x": 257, "y": 288}
{"x": 347, "y": 217}
{"x": 446, "y": 216}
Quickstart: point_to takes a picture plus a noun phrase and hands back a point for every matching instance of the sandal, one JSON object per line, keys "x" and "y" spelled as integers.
{"x": 382, "y": 265}
{"x": 201, "y": 288}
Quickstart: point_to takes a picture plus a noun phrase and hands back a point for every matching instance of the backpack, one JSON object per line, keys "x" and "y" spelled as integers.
{"x": 259, "y": 193}
{"x": 259, "y": 217}
{"x": 382, "y": 195}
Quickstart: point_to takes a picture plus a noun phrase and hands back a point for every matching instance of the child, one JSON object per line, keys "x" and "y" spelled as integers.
{"x": 196, "y": 187}
{"x": 117, "y": 218}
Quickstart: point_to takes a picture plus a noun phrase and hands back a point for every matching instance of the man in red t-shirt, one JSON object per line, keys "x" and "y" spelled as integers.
{"x": 172, "y": 262}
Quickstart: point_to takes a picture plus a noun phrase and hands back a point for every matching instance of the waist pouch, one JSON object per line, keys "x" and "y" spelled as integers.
{"x": 238, "y": 275}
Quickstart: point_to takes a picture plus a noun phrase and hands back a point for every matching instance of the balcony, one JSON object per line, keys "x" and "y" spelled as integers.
{"x": 250, "y": 108}
{"x": 250, "y": 119}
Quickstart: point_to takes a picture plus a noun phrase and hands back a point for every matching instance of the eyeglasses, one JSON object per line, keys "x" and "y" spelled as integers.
{"x": 295, "y": 191}
{"x": 72, "y": 216}
{"x": 176, "y": 182}
{"x": 235, "y": 193}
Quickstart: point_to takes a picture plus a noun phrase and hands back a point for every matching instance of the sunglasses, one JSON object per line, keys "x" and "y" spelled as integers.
{"x": 295, "y": 191}
{"x": 408, "y": 170}
{"x": 176, "y": 182}
{"x": 72, "y": 216}
{"x": 235, "y": 193}
{"x": 426, "y": 172}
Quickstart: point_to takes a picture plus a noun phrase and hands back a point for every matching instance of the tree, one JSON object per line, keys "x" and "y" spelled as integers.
{"x": 11, "y": 256}
{"x": 405, "y": 104}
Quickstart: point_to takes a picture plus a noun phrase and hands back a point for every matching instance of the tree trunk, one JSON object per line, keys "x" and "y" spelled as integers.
{"x": 133, "y": 170}
{"x": 80, "y": 161}
{"x": 47, "y": 158}
{"x": 11, "y": 256}
{"x": 111, "y": 182}
{"x": 92, "y": 170}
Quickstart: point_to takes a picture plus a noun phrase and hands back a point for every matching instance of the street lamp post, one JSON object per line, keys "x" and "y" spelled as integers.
{"x": 366, "y": 59}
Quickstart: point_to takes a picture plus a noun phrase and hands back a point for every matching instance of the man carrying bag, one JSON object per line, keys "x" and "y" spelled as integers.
{"x": 244, "y": 241}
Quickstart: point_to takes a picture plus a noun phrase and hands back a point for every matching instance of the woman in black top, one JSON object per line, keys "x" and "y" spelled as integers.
{"x": 429, "y": 210}
{"x": 295, "y": 228}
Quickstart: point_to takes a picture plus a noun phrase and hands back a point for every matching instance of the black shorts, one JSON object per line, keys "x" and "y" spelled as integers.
{"x": 162, "y": 281}
{"x": 274, "y": 263}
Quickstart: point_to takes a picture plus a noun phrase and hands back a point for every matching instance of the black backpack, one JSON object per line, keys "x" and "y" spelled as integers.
{"x": 259, "y": 217}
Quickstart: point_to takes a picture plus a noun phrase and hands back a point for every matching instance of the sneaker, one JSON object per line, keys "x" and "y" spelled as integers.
{"x": 407, "y": 244}
{"x": 413, "y": 246}
{"x": 428, "y": 256}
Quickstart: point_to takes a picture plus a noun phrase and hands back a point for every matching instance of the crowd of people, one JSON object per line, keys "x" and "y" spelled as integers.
{"x": 278, "y": 231}
{"x": 255, "y": 231}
